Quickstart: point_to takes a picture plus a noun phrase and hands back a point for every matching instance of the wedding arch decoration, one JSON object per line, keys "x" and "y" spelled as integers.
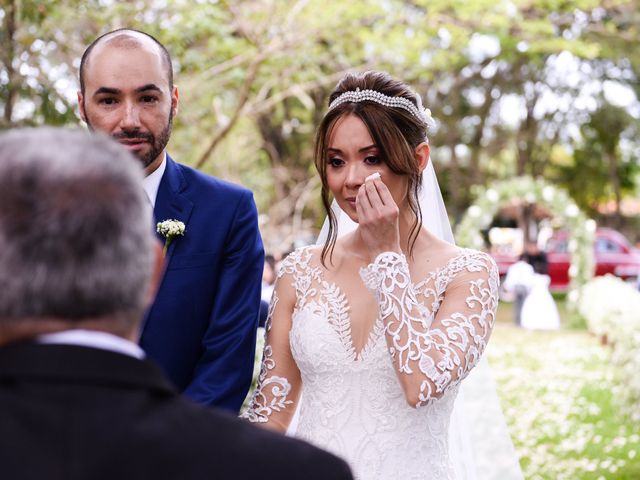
{"x": 530, "y": 190}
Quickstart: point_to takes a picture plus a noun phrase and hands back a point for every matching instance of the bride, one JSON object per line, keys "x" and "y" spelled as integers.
{"x": 372, "y": 333}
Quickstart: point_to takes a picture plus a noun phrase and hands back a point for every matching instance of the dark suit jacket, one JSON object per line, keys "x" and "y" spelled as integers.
{"x": 201, "y": 328}
{"x": 70, "y": 412}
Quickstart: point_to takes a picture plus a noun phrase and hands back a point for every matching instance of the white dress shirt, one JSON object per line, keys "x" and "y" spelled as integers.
{"x": 151, "y": 183}
{"x": 94, "y": 339}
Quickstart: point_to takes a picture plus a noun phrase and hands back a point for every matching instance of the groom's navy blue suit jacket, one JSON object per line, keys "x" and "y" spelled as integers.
{"x": 202, "y": 325}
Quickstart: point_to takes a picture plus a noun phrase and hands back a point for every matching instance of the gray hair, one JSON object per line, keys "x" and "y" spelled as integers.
{"x": 76, "y": 238}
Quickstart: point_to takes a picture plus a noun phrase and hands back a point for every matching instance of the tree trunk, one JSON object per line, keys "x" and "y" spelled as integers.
{"x": 526, "y": 137}
{"x": 614, "y": 176}
{"x": 243, "y": 98}
{"x": 526, "y": 217}
{"x": 477, "y": 176}
{"x": 10, "y": 27}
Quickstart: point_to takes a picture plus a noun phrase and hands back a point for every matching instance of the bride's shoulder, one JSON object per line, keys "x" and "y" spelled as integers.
{"x": 467, "y": 262}
{"x": 454, "y": 261}
{"x": 477, "y": 257}
{"x": 301, "y": 258}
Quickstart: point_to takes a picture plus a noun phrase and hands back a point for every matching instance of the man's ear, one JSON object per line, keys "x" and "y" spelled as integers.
{"x": 175, "y": 97}
{"x": 422, "y": 155}
{"x": 83, "y": 114}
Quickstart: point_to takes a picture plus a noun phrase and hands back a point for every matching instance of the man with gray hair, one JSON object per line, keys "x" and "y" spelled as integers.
{"x": 78, "y": 266}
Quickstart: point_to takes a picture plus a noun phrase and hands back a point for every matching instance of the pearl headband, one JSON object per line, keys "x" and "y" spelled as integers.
{"x": 386, "y": 101}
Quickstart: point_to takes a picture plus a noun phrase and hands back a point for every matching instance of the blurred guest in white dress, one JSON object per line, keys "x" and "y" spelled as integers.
{"x": 539, "y": 310}
{"x": 518, "y": 282}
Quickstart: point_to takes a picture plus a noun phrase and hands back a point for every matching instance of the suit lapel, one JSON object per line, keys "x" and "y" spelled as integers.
{"x": 171, "y": 203}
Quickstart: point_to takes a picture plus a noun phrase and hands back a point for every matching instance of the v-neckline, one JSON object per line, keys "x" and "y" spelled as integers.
{"x": 377, "y": 329}
{"x": 346, "y": 338}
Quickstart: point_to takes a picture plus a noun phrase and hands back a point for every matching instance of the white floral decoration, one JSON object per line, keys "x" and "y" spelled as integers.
{"x": 533, "y": 190}
{"x": 611, "y": 308}
{"x": 170, "y": 229}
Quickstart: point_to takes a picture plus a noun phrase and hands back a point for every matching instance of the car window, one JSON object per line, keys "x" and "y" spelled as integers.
{"x": 557, "y": 245}
{"x": 604, "y": 245}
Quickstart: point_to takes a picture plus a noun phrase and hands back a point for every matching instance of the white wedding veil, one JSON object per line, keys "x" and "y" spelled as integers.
{"x": 480, "y": 445}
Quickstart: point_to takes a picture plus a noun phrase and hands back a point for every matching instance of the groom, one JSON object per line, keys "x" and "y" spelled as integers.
{"x": 201, "y": 328}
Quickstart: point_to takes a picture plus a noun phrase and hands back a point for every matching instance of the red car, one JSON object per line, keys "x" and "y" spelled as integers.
{"x": 613, "y": 254}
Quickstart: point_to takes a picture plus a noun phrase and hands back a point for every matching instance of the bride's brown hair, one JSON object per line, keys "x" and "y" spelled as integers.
{"x": 395, "y": 131}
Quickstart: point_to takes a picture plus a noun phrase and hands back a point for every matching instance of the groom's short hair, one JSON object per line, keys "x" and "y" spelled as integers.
{"x": 126, "y": 38}
{"x": 75, "y": 227}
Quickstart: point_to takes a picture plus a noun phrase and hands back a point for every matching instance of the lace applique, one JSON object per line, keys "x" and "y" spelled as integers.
{"x": 262, "y": 405}
{"x": 443, "y": 355}
{"x": 358, "y": 409}
{"x": 338, "y": 316}
{"x": 272, "y": 392}
{"x": 323, "y": 299}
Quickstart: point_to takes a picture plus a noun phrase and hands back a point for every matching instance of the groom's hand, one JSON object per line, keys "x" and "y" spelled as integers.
{"x": 378, "y": 218}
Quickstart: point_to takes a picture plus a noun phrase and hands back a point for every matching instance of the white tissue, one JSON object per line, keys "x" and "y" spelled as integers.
{"x": 373, "y": 176}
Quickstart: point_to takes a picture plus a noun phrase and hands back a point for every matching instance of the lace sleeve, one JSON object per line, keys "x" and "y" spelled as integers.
{"x": 435, "y": 345}
{"x": 273, "y": 402}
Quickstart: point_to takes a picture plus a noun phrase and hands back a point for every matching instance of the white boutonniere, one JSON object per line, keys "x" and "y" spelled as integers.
{"x": 169, "y": 229}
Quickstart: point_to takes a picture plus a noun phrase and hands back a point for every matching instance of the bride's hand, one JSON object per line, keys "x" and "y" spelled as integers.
{"x": 378, "y": 218}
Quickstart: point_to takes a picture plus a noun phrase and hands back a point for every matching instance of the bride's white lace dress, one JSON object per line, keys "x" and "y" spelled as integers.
{"x": 353, "y": 403}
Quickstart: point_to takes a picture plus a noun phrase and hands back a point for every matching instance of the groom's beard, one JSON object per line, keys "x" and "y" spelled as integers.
{"x": 157, "y": 144}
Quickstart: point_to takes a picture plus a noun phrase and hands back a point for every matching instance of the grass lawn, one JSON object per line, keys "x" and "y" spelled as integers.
{"x": 559, "y": 396}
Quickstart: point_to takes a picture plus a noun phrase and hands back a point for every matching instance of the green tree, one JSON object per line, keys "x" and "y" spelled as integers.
{"x": 600, "y": 171}
{"x": 254, "y": 77}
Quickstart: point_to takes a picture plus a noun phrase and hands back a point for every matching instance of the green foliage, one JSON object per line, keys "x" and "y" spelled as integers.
{"x": 254, "y": 77}
{"x": 588, "y": 175}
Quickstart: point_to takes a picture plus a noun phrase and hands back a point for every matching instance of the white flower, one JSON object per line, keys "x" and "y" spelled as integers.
{"x": 492, "y": 195}
{"x": 170, "y": 229}
{"x": 611, "y": 308}
{"x": 573, "y": 271}
{"x": 571, "y": 210}
{"x": 475, "y": 211}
